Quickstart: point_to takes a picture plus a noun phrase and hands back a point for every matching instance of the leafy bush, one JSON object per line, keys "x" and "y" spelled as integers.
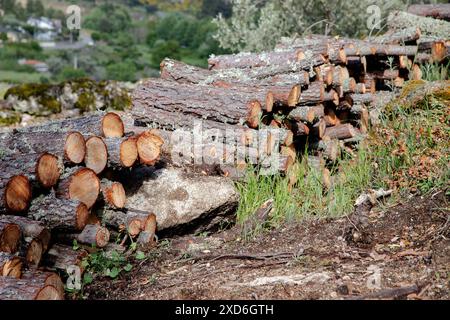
{"x": 256, "y": 26}
{"x": 122, "y": 71}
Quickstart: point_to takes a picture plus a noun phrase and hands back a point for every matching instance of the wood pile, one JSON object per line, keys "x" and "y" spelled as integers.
{"x": 318, "y": 89}
{"x": 53, "y": 182}
{"x": 318, "y": 94}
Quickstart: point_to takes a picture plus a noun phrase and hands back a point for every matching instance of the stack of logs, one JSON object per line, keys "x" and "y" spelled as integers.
{"x": 318, "y": 89}
{"x": 53, "y": 180}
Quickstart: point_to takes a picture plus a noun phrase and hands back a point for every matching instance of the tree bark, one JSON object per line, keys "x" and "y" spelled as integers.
{"x": 45, "y": 278}
{"x": 30, "y": 229}
{"x": 183, "y": 73}
{"x": 56, "y": 213}
{"x": 438, "y": 29}
{"x": 68, "y": 145}
{"x": 308, "y": 114}
{"x": 92, "y": 235}
{"x": 342, "y": 131}
{"x": 131, "y": 222}
{"x": 216, "y": 104}
{"x": 437, "y": 11}
{"x": 252, "y": 60}
{"x": 61, "y": 257}
{"x": 26, "y": 289}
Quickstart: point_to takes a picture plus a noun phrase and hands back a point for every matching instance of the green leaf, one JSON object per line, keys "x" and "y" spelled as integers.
{"x": 140, "y": 255}
{"x": 114, "y": 272}
{"x": 128, "y": 267}
{"x": 87, "y": 278}
{"x": 133, "y": 246}
{"x": 75, "y": 245}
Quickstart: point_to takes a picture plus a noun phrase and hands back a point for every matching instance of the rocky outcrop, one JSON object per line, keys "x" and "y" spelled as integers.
{"x": 83, "y": 95}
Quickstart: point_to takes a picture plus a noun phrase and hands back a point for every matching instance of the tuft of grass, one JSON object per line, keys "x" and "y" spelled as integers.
{"x": 435, "y": 71}
{"x": 408, "y": 151}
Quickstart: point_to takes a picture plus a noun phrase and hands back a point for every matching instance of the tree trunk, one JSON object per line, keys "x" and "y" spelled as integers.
{"x": 398, "y": 36}
{"x": 252, "y": 60}
{"x": 183, "y": 73}
{"x": 80, "y": 184}
{"x": 342, "y": 131}
{"x": 112, "y": 126}
{"x": 26, "y": 289}
{"x": 61, "y": 258}
{"x": 69, "y": 146}
{"x": 46, "y": 279}
{"x": 216, "y": 104}
{"x": 439, "y": 29}
{"x": 308, "y": 114}
{"x": 437, "y": 11}
{"x": 92, "y": 235}
{"x": 30, "y": 229}
{"x": 59, "y": 213}
{"x": 15, "y": 193}
{"x": 131, "y": 222}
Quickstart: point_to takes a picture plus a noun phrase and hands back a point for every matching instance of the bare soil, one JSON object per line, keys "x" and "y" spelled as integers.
{"x": 405, "y": 245}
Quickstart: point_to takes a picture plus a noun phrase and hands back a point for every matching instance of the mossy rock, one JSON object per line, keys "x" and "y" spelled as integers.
{"x": 46, "y": 96}
{"x": 8, "y": 117}
{"x": 85, "y": 102}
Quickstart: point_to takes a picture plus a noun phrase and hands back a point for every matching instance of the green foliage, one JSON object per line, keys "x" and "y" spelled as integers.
{"x": 179, "y": 35}
{"x": 257, "y": 26}
{"x": 108, "y": 18}
{"x": 69, "y": 73}
{"x": 122, "y": 71}
{"x": 435, "y": 71}
{"x": 104, "y": 264}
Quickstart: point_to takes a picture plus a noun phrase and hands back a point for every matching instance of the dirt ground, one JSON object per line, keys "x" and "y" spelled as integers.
{"x": 405, "y": 246}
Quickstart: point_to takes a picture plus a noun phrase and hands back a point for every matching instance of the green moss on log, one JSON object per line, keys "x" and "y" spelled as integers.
{"x": 8, "y": 118}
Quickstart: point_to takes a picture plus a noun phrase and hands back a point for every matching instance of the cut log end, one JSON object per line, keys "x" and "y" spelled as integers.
{"x": 294, "y": 96}
{"x": 34, "y": 253}
{"x": 128, "y": 152}
{"x": 96, "y": 154}
{"x": 148, "y": 147}
{"x": 75, "y": 147}
{"x": 9, "y": 237}
{"x": 112, "y": 126}
{"x": 10, "y": 266}
{"x": 48, "y": 293}
{"x": 48, "y": 170}
{"x": 115, "y": 195}
{"x": 254, "y": 113}
{"x": 18, "y": 193}
{"x": 82, "y": 216}
{"x": 84, "y": 187}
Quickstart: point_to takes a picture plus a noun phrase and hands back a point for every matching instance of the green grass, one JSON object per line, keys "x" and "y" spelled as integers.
{"x": 435, "y": 71}
{"x": 409, "y": 151}
{"x": 20, "y": 77}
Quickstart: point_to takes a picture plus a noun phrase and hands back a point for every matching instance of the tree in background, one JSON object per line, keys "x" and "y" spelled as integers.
{"x": 256, "y": 25}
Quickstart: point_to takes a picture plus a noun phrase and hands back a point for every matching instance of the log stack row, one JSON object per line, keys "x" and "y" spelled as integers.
{"x": 317, "y": 89}
{"x": 56, "y": 188}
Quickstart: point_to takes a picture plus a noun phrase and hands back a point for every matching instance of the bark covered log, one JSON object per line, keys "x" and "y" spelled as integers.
{"x": 438, "y": 29}
{"x": 68, "y": 145}
{"x": 57, "y": 213}
{"x": 131, "y": 222}
{"x": 61, "y": 258}
{"x": 45, "y": 278}
{"x": 122, "y": 152}
{"x": 31, "y": 229}
{"x": 92, "y": 235}
{"x": 217, "y": 104}
{"x": 437, "y": 11}
{"x": 27, "y": 289}
{"x": 183, "y": 73}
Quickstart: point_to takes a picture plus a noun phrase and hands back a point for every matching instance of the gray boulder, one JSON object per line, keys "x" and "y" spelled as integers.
{"x": 183, "y": 202}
